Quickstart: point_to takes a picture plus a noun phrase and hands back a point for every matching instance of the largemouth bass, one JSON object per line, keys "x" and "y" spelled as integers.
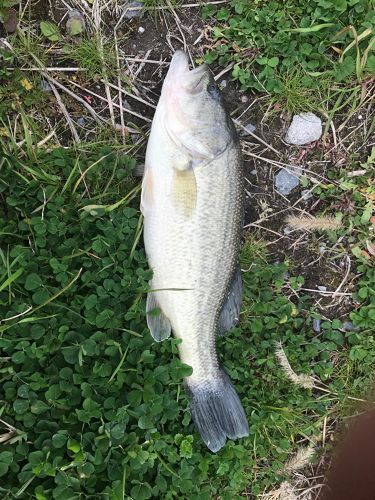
{"x": 192, "y": 202}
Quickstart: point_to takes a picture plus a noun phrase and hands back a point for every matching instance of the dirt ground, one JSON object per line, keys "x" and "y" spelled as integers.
{"x": 145, "y": 46}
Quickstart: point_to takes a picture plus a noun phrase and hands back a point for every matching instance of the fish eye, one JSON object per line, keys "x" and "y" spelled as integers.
{"x": 212, "y": 90}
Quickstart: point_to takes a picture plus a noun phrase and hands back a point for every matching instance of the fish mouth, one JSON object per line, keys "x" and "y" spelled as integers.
{"x": 191, "y": 79}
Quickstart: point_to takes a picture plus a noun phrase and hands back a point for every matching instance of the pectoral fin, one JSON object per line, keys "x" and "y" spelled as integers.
{"x": 184, "y": 192}
{"x": 230, "y": 313}
{"x": 158, "y": 324}
{"x": 147, "y": 196}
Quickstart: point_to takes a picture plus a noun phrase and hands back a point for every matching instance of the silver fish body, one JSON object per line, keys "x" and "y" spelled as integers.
{"x": 192, "y": 201}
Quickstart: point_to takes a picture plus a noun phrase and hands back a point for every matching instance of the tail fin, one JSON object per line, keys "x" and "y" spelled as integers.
{"x": 217, "y": 411}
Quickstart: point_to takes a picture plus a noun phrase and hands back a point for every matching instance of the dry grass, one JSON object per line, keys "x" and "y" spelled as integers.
{"x": 302, "y": 223}
{"x": 305, "y": 381}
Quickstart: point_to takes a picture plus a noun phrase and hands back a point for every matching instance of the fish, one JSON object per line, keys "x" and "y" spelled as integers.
{"x": 192, "y": 201}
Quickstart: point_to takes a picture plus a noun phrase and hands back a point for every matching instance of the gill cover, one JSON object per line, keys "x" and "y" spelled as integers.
{"x": 194, "y": 117}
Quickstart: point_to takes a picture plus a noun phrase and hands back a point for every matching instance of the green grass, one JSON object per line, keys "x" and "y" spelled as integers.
{"x": 90, "y": 405}
{"x": 284, "y": 47}
{"x": 98, "y": 407}
{"x": 296, "y": 94}
{"x": 150, "y": 5}
{"x": 99, "y": 59}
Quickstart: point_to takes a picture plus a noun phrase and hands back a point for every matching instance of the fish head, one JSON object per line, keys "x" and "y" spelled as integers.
{"x": 195, "y": 116}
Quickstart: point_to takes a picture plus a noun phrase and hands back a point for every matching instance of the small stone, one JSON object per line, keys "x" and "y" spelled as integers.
{"x": 45, "y": 86}
{"x": 9, "y": 19}
{"x": 81, "y": 121}
{"x": 253, "y": 172}
{"x": 322, "y": 248}
{"x": 248, "y": 129}
{"x": 287, "y": 231}
{"x": 244, "y": 98}
{"x": 126, "y": 104}
{"x": 141, "y": 30}
{"x": 349, "y": 327}
{"x": 305, "y": 128}
{"x": 306, "y": 194}
{"x": 316, "y": 325}
{"x": 223, "y": 84}
{"x": 133, "y": 9}
{"x": 322, "y": 288}
{"x": 4, "y": 45}
{"x": 75, "y": 25}
{"x": 287, "y": 179}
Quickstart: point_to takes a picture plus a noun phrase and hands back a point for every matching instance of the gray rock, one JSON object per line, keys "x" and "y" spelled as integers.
{"x": 81, "y": 121}
{"x": 316, "y": 325}
{"x": 223, "y": 84}
{"x": 126, "y": 104}
{"x": 304, "y": 128}
{"x": 45, "y": 86}
{"x": 248, "y": 129}
{"x": 133, "y": 9}
{"x": 287, "y": 179}
{"x": 306, "y": 194}
{"x": 75, "y": 25}
{"x": 322, "y": 288}
{"x": 349, "y": 327}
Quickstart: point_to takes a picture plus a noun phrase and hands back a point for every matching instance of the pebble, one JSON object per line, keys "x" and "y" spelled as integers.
{"x": 223, "y": 84}
{"x": 253, "y": 172}
{"x": 141, "y": 30}
{"x": 306, "y": 194}
{"x": 248, "y": 129}
{"x": 45, "y": 86}
{"x": 322, "y": 288}
{"x": 305, "y": 128}
{"x": 287, "y": 179}
{"x": 244, "y": 98}
{"x": 133, "y": 10}
{"x": 316, "y": 325}
{"x": 81, "y": 121}
{"x": 4, "y": 45}
{"x": 75, "y": 25}
{"x": 322, "y": 248}
{"x": 349, "y": 327}
{"x": 126, "y": 104}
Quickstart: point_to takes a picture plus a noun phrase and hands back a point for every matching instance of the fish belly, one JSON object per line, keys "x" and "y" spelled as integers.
{"x": 194, "y": 257}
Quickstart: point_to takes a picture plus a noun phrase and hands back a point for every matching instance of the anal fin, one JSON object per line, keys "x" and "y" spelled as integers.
{"x": 230, "y": 314}
{"x": 158, "y": 324}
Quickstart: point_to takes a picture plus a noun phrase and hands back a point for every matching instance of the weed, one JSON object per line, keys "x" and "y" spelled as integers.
{"x": 298, "y": 92}
{"x": 80, "y": 381}
{"x": 267, "y": 40}
{"x": 150, "y": 5}
{"x": 98, "y": 60}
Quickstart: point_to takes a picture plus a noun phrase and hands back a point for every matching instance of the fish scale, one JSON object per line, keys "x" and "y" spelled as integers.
{"x": 192, "y": 201}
